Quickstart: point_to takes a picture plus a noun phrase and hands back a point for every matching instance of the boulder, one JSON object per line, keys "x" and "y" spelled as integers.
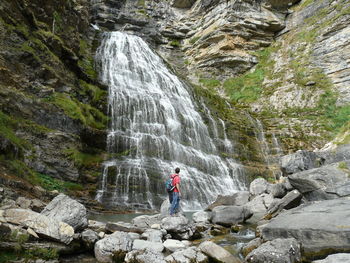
{"x": 291, "y": 200}
{"x": 89, "y": 238}
{"x": 298, "y": 161}
{"x": 277, "y": 251}
{"x": 277, "y": 190}
{"x": 23, "y": 202}
{"x": 144, "y": 244}
{"x": 173, "y": 245}
{"x": 201, "y": 217}
{"x": 97, "y": 226}
{"x": 322, "y": 183}
{"x": 144, "y": 256}
{"x": 250, "y": 246}
{"x": 113, "y": 247}
{"x": 339, "y": 154}
{"x": 230, "y": 215}
{"x": 153, "y": 235}
{"x": 122, "y": 226}
{"x": 67, "y": 210}
{"x": 239, "y": 198}
{"x": 258, "y": 186}
{"x": 145, "y": 221}
{"x": 335, "y": 258}
{"x": 257, "y": 205}
{"x": 175, "y": 223}
{"x": 320, "y": 228}
{"x": 165, "y": 208}
{"x": 217, "y": 253}
{"x": 189, "y": 255}
{"x": 42, "y": 225}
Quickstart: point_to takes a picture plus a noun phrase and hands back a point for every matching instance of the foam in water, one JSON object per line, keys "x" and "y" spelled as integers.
{"x": 154, "y": 128}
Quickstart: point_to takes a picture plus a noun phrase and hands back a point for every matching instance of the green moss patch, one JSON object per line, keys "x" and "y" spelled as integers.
{"x": 84, "y": 159}
{"x": 73, "y": 108}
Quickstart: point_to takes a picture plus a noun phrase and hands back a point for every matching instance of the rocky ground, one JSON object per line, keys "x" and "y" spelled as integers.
{"x": 302, "y": 218}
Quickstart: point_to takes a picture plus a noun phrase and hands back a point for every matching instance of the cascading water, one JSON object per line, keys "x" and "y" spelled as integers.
{"x": 154, "y": 128}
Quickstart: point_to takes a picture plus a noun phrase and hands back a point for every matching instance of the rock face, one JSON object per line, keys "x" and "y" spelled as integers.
{"x": 67, "y": 210}
{"x": 113, "y": 247}
{"x": 230, "y": 215}
{"x": 277, "y": 251}
{"x": 326, "y": 182}
{"x": 313, "y": 226}
{"x": 41, "y": 224}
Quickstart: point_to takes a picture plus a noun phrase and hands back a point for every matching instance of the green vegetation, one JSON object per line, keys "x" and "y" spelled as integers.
{"x": 95, "y": 93}
{"x": 84, "y": 159}
{"x": 8, "y": 126}
{"x": 73, "y": 108}
{"x": 175, "y": 43}
{"x": 7, "y": 256}
{"x": 248, "y": 87}
{"x": 194, "y": 40}
{"x": 87, "y": 63}
{"x": 210, "y": 83}
{"x": 343, "y": 165}
{"x": 42, "y": 253}
{"x": 49, "y": 183}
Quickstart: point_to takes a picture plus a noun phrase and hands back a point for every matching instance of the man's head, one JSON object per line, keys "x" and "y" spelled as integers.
{"x": 177, "y": 170}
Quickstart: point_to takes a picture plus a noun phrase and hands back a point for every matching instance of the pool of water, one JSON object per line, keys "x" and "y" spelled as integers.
{"x": 126, "y": 217}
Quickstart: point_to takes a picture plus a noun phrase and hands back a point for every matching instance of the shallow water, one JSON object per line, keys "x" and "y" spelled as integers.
{"x": 126, "y": 217}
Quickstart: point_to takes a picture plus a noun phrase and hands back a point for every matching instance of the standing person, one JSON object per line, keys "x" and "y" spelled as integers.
{"x": 176, "y": 193}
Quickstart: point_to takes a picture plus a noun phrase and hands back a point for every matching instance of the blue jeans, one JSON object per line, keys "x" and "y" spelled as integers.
{"x": 175, "y": 203}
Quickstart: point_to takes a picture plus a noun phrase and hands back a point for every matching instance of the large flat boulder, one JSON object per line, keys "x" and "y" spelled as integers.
{"x": 189, "y": 255}
{"x": 335, "y": 258}
{"x": 322, "y": 183}
{"x": 144, "y": 244}
{"x": 230, "y": 215}
{"x": 175, "y": 223}
{"x": 144, "y": 256}
{"x": 65, "y": 209}
{"x": 321, "y": 228}
{"x": 42, "y": 225}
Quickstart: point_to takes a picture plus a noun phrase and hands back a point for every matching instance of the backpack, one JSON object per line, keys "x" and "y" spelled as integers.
{"x": 169, "y": 185}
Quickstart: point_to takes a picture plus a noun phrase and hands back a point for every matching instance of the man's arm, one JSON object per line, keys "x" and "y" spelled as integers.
{"x": 178, "y": 188}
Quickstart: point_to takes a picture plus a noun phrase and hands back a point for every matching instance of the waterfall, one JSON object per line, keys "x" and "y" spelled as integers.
{"x": 154, "y": 128}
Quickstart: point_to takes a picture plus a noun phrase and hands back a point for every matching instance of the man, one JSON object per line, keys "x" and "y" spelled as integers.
{"x": 176, "y": 193}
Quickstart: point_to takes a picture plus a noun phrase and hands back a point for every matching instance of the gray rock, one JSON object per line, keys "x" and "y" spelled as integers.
{"x": 134, "y": 236}
{"x": 144, "y": 256}
{"x": 339, "y": 154}
{"x": 145, "y": 221}
{"x": 67, "y": 210}
{"x": 175, "y": 223}
{"x": 201, "y": 217}
{"x": 335, "y": 258}
{"x": 37, "y": 205}
{"x": 173, "y": 245}
{"x": 153, "y": 235}
{"x": 23, "y": 202}
{"x": 277, "y": 251}
{"x": 320, "y": 183}
{"x": 122, "y": 226}
{"x": 41, "y": 224}
{"x": 144, "y": 244}
{"x": 89, "y": 238}
{"x": 257, "y": 205}
{"x": 258, "y": 186}
{"x": 318, "y": 227}
{"x": 239, "y": 198}
{"x": 217, "y": 253}
{"x": 113, "y": 247}
{"x": 97, "y": 226}
{"x": 250, "y": 246}
{"x": 277, "y": 190}
{"x": 230, "y": 215}
{"x": 299, "y": 161}
{"x": 291, "y": 200}
{"x": 189, "y": 255}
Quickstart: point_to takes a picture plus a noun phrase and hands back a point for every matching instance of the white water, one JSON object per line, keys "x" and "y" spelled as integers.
{"x": 154, "y": 128}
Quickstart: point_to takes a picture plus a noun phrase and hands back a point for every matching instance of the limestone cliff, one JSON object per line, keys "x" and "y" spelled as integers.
{"x": 52, "y": 118}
